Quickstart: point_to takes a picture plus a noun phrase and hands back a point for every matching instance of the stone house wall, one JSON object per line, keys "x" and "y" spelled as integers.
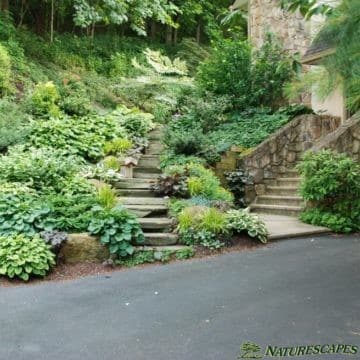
{"x": 267, "y": 16}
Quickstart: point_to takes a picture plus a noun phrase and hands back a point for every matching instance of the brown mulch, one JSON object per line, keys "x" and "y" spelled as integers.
{"x": 63, "y": 272}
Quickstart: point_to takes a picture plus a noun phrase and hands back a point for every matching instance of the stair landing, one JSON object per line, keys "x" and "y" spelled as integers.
{"x": 286, "y": 227}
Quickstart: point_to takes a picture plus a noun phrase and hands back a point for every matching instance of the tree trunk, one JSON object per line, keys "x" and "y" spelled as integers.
{"x": 4, "y": 5}
{"x": 92, "y": 30}
{"x": 168, "y": 39}
{"x": 198, "y": 33}
{"x": 23, "y": 11}
{"x": 153, "y": 30}
{"x": 52, "y": 21}
{"x": 176, "y": 36}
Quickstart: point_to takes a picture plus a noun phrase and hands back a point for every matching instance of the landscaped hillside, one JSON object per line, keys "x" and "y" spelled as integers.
{"x": 82, "y": 105}
{"x": 74, "y": 109}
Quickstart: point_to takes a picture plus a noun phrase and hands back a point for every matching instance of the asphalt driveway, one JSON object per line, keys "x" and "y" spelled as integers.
{"x": 294, "y": 292}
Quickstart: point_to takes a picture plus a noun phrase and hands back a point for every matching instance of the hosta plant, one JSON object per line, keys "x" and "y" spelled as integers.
{"x": 22, "y": 213}
{"x": 241, "y": 221}
{"x": 118, "y": 229}
{"x": 41, "y": 169}
{"x": 23, "y": 257}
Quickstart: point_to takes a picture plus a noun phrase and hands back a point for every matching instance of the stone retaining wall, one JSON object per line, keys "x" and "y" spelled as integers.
{"x": 346, "y": 139}
{"x": 282, "y": 150}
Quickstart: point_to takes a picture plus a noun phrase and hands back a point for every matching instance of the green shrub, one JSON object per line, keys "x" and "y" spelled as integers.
{"x": 5, "y": 70}
{"x": 237, "y": 181}
{"x": 207, "y": 110}
{"x": 270, "y": 71}
{"x": 168, "y": 159}
{"x": 334, "y": 221}
{"x": 331, "y": 185}
{"x": 23, "y": 257}
{"x": 202, "y": 218}
{"x": 136, "y": 122}
{"x": 228, "y": 72}
{"x": 14, "y": 124}
{"x": 84, "y": 136}
{"x": 251, "y": 80}
{"x": 246, "y": 129}
{"x": 42, "y": 169}
{"x": 112, "y": 163}
{"x": 119, "y": 65}
{"x": 204, "y": 238}
{"x": 200, "y": 181}
{"x": 43, "y": 101}
{"x": 213, "y": 221}
{"x": 39, "y": 168}
{"x": 117, "y": 229}
{"x": 106, "y": 197}
{"x": 171, "y": 185}
{"x": 75, "y": 99}
{"x": 241, "y": 221}
{"x": 117, "y": 146}
{"x": 70, "y": 213}
{"x": 185, "y": 143}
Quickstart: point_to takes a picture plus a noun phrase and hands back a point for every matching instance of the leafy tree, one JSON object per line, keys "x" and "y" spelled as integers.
{"x": 307, "y": 8}
{"x": 341, "y": 31}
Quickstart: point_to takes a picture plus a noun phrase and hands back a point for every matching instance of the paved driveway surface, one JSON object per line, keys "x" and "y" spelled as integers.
{"x": 294, "y": 292}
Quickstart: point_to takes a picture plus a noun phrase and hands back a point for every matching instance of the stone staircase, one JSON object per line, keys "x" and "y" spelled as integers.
{"x": 280, "y": 196}
{"x": 136, "y": 195}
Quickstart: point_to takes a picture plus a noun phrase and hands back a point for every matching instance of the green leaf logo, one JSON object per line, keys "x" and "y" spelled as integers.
{"x": 250, "y": 350}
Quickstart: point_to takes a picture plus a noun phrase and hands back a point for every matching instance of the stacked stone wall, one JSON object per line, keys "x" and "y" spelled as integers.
{"x": 282, "y": 150}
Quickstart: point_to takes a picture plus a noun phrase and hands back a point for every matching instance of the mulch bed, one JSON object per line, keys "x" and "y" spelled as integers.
{"x": 63, "y": 272}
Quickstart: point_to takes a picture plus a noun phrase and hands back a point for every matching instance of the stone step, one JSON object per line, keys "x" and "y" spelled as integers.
{"x": 288, "y": 181}
{"x": 152, "y": 224}
{"x": 147, "y": 210}
{"x": 146, "y": 173}
{"x": 139, "y": 184}
{"x": 149, "y": 161}
{"x": 134, "y": 193}
{"x": 160, "y": 239}
{"x": 148, "y": 201}
{"x": 283, "y": 181}
{"x": 154, "y": 148}
{"x": 276, "y": 209}
{"x": 279, "y": 200}
{"x": 293, "y": 173}
{"x": 282, "y": 190}
{"x": 155, "y": 135}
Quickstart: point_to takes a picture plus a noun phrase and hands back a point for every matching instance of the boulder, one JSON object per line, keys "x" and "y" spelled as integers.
{"x": 83, "y": 248}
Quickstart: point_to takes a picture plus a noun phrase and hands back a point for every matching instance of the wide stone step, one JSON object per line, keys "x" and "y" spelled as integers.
{"x": 279, "y": 200}
{"x": 290, "y": 174}
{"x": 149, "y": 161}
{"x": 276, "y": 209}
{"x": 134, "y": 193}
{"x": 154, "y": 148}
{"x": 160, "y": 239}
{"x": 152, "y": 224}
{"x": 141, "y": 173}
{"x": 282, "y": 190}
{"x": 155, "y": 136}
{"x": 139, "y": 184}
{"x": 289, "y": 181}
{"x": 148, "y": 201}
{"x": 142, "y": 211}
